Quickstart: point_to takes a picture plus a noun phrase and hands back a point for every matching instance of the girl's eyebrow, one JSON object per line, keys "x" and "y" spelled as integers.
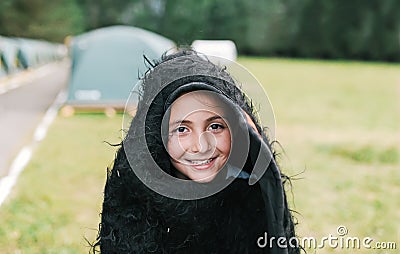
{"x": 180, "y": 122}
{"x": 210, "y": 119}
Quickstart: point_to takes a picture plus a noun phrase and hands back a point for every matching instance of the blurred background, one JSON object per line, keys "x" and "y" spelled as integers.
{"x": 330, "y": 68}
{"x": 366, "y": 30}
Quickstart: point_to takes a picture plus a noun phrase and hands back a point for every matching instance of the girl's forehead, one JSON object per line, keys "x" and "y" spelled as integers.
{"x": 197, "y": 101}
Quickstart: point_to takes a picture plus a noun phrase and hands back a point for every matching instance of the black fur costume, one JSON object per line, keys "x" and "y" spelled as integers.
{"x": 136, "y": 219}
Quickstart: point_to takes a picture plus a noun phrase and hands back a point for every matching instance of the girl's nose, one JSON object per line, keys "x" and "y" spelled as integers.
{"x": 202, "y": 142}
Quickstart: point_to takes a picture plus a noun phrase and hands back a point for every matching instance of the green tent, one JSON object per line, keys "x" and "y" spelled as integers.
{"x": 8, "y": 56}
{"x": 106, "y": 63}
{"x": 34, "y": 53}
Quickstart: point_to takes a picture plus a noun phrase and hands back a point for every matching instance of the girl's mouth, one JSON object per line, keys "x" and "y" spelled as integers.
{"x": 202, "y": 164}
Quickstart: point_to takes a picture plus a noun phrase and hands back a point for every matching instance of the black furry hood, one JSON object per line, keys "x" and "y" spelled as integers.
{"x": 136, "y": 219}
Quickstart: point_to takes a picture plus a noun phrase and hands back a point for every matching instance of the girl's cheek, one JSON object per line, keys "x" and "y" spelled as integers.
{"x": 228, "y": 144}
{"x": 175, "y": 147}
{"x": 224, "y": 144}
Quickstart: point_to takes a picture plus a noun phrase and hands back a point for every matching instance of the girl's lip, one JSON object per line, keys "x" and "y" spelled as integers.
{"x": 203, "y": 166}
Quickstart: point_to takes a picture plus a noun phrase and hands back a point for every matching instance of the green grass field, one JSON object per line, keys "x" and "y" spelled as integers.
{"x": 338, "y": 123}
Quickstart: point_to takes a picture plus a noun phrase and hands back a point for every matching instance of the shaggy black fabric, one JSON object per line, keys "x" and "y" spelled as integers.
{"x": 136, "y": 219}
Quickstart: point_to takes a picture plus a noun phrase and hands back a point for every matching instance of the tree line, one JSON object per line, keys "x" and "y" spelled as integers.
{"x": 331, "y": 29}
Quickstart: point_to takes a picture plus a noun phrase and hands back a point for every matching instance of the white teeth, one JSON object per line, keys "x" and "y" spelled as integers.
{"x": 201, "y": 162}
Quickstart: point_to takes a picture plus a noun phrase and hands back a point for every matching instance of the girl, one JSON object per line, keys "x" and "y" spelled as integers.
{"x": 195, "y": 173}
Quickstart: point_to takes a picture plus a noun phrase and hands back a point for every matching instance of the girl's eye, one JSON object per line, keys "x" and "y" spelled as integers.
{"x": 216, "y": 127}
{"x": 181, "y": 130}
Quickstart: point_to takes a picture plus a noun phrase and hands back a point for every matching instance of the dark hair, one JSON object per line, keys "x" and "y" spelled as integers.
{"x": 136, "y": 219}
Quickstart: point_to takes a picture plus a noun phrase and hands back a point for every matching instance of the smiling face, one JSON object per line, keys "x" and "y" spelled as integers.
{"x": 199, "y": 140}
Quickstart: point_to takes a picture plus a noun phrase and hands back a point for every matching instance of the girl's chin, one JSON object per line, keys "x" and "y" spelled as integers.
{"x": 205, "y": 179}
{"x": 202, "y": 176}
